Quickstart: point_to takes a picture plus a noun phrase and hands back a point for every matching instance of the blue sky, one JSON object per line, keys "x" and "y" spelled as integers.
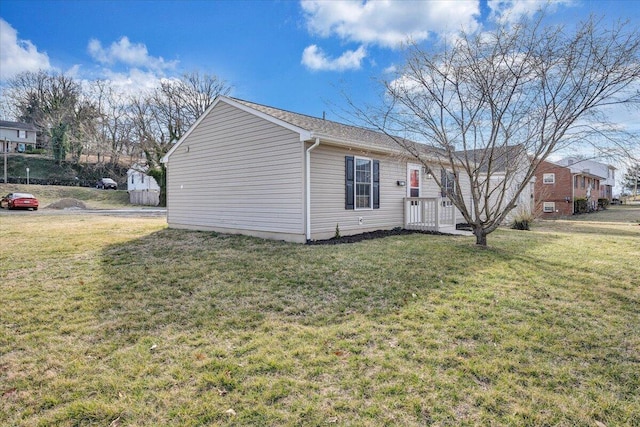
{"x": 288, "y": 54}
{"x": 295, "y": 55}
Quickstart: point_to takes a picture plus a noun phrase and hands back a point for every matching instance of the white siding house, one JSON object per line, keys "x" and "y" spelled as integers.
{"x": 605, "y": 173}
{"x": 251, "y": 169}
{"x": 16, "y": 136}
{"x": 142, "y": 188}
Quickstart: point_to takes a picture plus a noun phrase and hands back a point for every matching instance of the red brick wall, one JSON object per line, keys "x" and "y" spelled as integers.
{"x": 558, "y": 192}
{"x": 581, "y": 184}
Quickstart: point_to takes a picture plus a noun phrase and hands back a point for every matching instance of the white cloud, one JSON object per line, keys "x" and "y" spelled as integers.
{"x": 389, "y": 23}
{"x": 391, "y": 69}
{"x": 127, "y": 53}
{"x": 16, "y": 55}
{"x": 315, "y": 59}
{"x": 510, "y": 11}
{"x": 133, "y": 82}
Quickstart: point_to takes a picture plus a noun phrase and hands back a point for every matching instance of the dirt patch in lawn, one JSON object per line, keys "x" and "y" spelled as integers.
{"x": 67, "y": 203}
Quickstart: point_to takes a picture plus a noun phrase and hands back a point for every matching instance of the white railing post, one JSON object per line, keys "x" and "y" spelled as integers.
{"x": 453, "y": 215}
{"x": 406, "y": 212}
{"x": 437, "y": 204}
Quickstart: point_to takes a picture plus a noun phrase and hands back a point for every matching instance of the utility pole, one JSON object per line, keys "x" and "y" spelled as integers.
{"x": 5, "y": 148}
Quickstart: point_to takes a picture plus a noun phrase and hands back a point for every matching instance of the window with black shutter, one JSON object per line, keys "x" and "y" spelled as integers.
{"x": 362, "y": 183}
{"x": 448, "y": 182}
{"x": 348, "y": 178}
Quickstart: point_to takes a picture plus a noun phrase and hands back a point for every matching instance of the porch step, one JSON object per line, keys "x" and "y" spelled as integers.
{"x": 453, "y": 231}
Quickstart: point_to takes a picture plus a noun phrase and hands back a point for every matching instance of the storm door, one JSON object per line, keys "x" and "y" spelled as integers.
{"x": 414, "y": 181}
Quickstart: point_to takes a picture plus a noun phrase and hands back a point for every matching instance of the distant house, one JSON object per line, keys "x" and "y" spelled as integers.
{"x": 17, "y": 137}
{"x": 554, "y": 193}
{"x": 603, "y": 173}
{"x": 143, "y": 189}
{"x": 563, "y": 186}
{"x": 509, "y": 165}
{"x": 252, "y": 169}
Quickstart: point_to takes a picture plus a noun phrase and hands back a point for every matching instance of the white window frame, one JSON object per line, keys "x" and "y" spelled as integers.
{"x": 548, "y": 207}
{"x": 356, "y": 182}
{"x": 549, "y": 178}
{"x": 22, "y": 134}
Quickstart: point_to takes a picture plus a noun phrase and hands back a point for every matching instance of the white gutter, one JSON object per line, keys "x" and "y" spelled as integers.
{"x": 308, "y": 189}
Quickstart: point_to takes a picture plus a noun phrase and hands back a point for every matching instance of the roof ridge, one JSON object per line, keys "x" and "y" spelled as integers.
{"x": 8, "y": 123}
{"x": 320, "y": 119}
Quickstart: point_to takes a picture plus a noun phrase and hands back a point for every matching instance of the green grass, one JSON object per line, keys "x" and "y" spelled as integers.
{"x": 92, "y": 197}
{"x": 629, "y": 213}
{"x": 112, "y": 320}
{"x": 40, "y": 167}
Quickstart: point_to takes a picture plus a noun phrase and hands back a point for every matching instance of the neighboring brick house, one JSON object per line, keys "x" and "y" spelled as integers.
{"x": 558, "y": 186}
{"x": 586, "y": 186}
{"x": 601, "y": 176}
{"x": 553, "y": 190}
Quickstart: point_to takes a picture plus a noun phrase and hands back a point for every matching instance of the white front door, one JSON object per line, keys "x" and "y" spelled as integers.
{"x": 414, "y": 181}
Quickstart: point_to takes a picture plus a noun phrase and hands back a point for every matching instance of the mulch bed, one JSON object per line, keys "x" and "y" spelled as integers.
{"x": 369, "y": 236}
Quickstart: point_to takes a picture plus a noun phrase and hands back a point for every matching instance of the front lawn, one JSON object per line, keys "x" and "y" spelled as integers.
{"x": 122, "y": 322}
{"x": 92, "y": 197}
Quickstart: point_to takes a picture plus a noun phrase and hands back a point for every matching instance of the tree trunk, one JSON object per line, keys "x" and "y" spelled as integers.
{"x": 481, "y": 236}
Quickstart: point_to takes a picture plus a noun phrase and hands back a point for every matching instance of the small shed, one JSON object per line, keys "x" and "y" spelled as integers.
{"x": 143, "y": 189}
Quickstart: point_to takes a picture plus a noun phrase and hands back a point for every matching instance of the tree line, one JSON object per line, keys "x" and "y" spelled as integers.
{"x": 97, "y": 119}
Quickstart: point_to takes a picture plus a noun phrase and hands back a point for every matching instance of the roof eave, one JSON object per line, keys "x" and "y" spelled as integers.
{"x": 364, "y": 146}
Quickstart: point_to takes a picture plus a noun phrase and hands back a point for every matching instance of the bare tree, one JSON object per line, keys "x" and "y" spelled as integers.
{"x": 113, "y": 135}
{"x": 631, "y": 179}
{"x": 55, "y": 104}
{"x": 496, "y": 104}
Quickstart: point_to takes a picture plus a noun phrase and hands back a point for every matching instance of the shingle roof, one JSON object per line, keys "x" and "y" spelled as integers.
{"x": 354, "y": 135}
{"x": 17, "y": 125}
{"x": 326, "y": 130}
{"x": 501, "y": 157}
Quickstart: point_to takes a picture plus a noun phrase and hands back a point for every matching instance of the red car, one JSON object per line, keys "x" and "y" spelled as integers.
{"x": 19, "y": 200}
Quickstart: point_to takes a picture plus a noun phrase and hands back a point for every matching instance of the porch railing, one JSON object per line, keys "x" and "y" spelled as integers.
{"x": 428, "y": 213}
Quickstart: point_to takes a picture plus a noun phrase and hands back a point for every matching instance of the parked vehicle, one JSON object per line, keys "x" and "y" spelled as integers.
{"x": 19, "y": 201}
{"x": 107, "y": 184}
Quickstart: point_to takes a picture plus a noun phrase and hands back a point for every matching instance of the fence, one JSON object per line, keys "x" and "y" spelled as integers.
{"x": 144, "y": 197}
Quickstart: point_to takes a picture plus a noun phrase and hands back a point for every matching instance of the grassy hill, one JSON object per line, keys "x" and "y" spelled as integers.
{"x": 92, "y": 197}
{"x": 43, "y": 168}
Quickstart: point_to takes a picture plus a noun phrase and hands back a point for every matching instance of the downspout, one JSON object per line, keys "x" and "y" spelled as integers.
{"x": 573, "y": 193}
{"x": 308, "y": 189}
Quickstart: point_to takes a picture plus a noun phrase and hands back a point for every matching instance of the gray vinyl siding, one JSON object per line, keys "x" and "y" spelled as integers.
{"x": 328, "y": 194}
{"x": 239, "y": 173}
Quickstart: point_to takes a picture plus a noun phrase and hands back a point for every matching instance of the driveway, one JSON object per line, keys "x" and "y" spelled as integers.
{"x": 129, "y": 212}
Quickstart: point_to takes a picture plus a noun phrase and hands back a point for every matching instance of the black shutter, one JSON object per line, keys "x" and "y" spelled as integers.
{"x": 348, "y": 182}
{"x": 443, "y": 183}
{"x": 376, "y": 184}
